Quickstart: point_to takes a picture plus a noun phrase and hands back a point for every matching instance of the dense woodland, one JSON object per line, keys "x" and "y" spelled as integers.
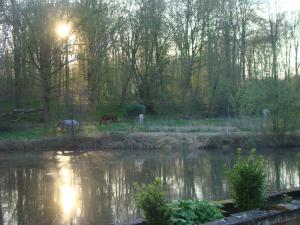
{"x": 192, "y": 57}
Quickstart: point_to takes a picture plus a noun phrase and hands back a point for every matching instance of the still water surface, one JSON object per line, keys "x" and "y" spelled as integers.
{"x": 97, "y": 187}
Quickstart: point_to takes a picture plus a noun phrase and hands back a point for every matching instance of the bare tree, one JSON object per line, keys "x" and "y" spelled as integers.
{"x": 43, "y": 46}
{"x": 145, "y": 41}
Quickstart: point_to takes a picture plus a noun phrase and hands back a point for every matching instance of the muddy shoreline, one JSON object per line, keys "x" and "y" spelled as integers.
{"x": 154, "y": 141}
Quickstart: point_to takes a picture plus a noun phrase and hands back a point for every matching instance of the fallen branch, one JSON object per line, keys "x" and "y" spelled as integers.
{"x": 26, "y": 110}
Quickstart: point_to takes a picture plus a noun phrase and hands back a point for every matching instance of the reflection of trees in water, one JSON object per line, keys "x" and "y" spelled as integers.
{"x": 95, "y": 186}
{"x": 107, "y": 192}
{"x": 188, "y": 178}
{"x": 105, "y": 183}
{"x": 21, "y": 195}
{"x": 1, "y": 215}
{"x": 282, "y": 170}
{"x": 28, "y": 197}
{"x": 219, "y": 186}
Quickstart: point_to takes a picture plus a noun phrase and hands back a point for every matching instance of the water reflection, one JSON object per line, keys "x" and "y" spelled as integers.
{"x": 68, "y": 190}
{"x": 96, "y": 187}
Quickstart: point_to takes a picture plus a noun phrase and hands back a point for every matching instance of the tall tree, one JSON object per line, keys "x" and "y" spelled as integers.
{"x": 43, "y": 46}
{"x": 296, "y": 40}
{"x": 144, "y": 40}
{"x": 275, "y": 24}
{"x": 17, "y": 50}
{"x": 188, "y": 22}
{"x": 97, "y": 24}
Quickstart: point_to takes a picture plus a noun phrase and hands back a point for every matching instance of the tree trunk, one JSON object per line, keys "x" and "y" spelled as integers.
{"x": 243, "y": 51}
{"x": 296, "y": 59}
{"x": 45, "y": 75}
{"x": 16, "y": 54}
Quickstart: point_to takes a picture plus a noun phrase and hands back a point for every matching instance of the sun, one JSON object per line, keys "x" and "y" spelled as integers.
{"x": 63, "y": 30}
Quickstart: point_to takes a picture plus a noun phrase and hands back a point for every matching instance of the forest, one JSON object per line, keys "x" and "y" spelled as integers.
{"x": 116, "y": 110}
{"x": 200, "y": 58}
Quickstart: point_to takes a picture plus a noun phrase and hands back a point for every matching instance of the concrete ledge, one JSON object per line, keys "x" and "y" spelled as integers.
{"x": 288, "y": 212}
{"x": 275, "y": 197}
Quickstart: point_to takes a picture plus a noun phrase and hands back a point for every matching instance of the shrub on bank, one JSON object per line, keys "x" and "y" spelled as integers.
{"x": 153, "y": 202}
{"x": 5, "y": 126}
{"x": 248, "y": 180}
{"x": 133, "y": 110}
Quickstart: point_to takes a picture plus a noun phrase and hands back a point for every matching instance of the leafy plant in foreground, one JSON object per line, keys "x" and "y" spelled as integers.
{"x": 153, "y": 202}
{"x": 248, "y": 179}
{"x": 188, "y": 212}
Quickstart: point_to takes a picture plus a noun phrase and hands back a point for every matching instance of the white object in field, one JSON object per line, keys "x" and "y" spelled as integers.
{"x": 141, "y": 118}
{"x": 265, "y": 115}
{"x": 265, "y": 112}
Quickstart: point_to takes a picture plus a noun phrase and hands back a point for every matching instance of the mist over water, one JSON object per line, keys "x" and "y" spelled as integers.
{"x": 97, "y": 187}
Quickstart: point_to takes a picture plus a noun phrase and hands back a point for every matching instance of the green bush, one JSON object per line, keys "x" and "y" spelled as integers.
{"x": 133, "y": 110}
{"x": 6, "y": 126}
{"x": 188, "y": 212}
{"x": 153, "y": 202}
{"x": 280, "y": 97}
{"x": 248, "y": 179}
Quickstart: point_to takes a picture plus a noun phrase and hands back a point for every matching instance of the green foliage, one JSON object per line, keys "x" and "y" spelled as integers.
{"x": 36, "y": 132}
{"x": 248, "y": 179}
{"x": 188, "y": 212}
{"x": 153, "y": 202}
{"x": 279, "y": 96}
{"x": 134, "y": 109}
{"x": 31, "y": 130}
{"x": 220, "y": 101}
{"x": 5, "y": 126}
{"x": 250, "y": 99}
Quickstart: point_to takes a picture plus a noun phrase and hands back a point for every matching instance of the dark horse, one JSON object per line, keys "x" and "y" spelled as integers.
{"x": 108, "y": 118}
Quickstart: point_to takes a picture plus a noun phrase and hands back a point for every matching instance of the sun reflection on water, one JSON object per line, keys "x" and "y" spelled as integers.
{"x": 68, "y": 190}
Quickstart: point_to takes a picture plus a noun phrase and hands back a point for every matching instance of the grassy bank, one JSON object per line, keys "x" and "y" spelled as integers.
{"x": 152, "y": 141}
{"x": 155, "y": 133}
{"x": 29, "y": 127}
{"x": 31, "y": 130}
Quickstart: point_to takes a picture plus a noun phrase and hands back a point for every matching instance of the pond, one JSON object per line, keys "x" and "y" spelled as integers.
{"x": 96, "y": 187}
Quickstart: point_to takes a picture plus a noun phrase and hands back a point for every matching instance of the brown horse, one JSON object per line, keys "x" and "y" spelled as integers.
{"x": 108, "y": 118}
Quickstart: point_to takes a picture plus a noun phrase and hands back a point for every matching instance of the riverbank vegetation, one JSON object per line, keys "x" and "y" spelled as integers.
{"x": 249, "y": 181}
{"x": 249, "y": 191}
{"x": 158, "y": 211}
{"x": 186, "y": 62}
